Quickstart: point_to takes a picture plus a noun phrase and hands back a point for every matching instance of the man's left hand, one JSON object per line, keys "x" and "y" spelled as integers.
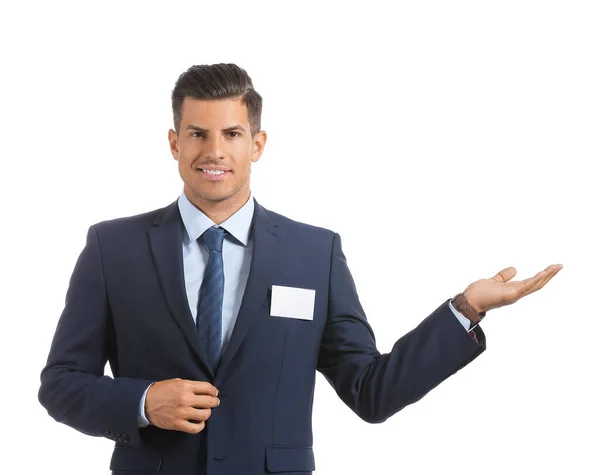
{"x": 486, "y": 294}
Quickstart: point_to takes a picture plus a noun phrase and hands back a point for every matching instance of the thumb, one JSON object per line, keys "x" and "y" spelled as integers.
{"x": 505, "y": 275}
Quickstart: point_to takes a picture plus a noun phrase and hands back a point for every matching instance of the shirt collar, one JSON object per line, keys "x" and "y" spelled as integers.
{"x": 196, "y": 222}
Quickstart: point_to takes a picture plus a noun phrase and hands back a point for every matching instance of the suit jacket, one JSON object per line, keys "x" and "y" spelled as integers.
{"x": 126, "y": 304}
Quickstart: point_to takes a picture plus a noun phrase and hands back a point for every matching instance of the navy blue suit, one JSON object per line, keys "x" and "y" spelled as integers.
{"x": 126, "y": 304}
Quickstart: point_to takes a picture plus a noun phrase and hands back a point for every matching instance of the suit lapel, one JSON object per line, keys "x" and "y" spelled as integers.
{"x": 264, "y": 232}
{"x": 166, "y": 245}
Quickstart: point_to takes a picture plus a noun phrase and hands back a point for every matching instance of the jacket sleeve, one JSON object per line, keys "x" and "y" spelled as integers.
{"x": 376, "y": 386}
{"x": 74, "y": 389}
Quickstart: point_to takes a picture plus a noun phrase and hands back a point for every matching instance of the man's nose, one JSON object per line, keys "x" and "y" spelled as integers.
{"x": 214, "y": 147}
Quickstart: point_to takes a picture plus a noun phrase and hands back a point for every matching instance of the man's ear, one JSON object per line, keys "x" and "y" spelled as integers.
{"x": 258, "y": 145}
{"x": 174, "y": 144}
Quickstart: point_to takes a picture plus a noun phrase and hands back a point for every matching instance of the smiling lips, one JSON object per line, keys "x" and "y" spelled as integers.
{"x": 214, "y": 174}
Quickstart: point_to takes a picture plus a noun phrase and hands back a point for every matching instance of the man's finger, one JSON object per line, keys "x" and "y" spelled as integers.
{"x": 505, "y": 275}
{"x": 202, "y": 401}
{"x": 519, "y": 288}
{"x": 190, "y": 427}
{"x": 547, "y": 274}
{"x": 530, "y": 285}
{"x": 536, "y": 282}
{"x": 198, "y": 415}
{"x": 204, "y": 387}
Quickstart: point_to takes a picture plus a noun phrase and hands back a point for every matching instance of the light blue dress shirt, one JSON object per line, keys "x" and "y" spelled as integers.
{"x": 237, "y": 255}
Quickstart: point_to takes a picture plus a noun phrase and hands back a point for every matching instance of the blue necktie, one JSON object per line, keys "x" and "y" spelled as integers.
{"x": 210, "y": 303}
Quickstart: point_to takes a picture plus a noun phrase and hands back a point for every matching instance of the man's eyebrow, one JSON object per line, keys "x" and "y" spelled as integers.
{"x": 234, "y": 127}
{"x": 228, "y": 129}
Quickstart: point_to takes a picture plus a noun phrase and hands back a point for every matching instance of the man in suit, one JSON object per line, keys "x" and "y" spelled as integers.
{"x": 215, "y": 313}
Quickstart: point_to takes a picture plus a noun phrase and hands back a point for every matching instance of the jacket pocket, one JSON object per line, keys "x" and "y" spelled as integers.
{"x": 131, "y": 458}
{"x": 289, "y": 458}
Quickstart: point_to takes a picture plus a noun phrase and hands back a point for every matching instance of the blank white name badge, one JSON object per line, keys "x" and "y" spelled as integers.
{"x": 292, "y": 302}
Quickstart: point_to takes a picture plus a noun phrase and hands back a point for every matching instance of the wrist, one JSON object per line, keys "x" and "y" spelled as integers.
{"x": 146, "y": 409}
{"x": 461, "y": 304}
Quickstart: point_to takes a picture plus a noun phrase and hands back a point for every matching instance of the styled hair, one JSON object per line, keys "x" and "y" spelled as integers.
{"x": 217, "y": 81}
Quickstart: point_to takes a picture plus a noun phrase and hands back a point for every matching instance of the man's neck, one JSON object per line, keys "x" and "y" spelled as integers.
{"x": 219, "y": 211}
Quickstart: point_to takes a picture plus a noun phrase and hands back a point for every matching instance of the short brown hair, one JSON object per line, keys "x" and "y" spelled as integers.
{"x": 217, "y": 81}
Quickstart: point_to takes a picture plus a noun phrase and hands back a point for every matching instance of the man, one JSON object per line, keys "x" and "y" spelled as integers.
{"x": 214, "y": 314}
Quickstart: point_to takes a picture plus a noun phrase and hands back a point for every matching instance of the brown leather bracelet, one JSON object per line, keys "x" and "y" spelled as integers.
{"x": 459, "y": 302}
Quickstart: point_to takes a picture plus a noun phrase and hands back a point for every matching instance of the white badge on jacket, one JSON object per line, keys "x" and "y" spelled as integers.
{"x": 292, "y": 302}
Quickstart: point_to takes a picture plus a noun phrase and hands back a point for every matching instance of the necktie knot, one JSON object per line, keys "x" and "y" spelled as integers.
{"x": 213, "y": 238}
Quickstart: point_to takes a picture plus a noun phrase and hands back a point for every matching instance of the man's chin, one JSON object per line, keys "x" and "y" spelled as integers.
{"x": 215, "y": 197}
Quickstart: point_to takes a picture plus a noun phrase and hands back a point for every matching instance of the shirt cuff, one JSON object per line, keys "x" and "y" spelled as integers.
{"x": 142, "y": 421}
{"x": 465, "y": 322}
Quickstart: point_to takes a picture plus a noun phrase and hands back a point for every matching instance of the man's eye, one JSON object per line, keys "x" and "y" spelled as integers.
{"x": 234, "y": 134}
{"x": 197, "y": 134}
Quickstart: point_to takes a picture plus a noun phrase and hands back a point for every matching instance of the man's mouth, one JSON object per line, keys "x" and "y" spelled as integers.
{"x": 213, "y": 172}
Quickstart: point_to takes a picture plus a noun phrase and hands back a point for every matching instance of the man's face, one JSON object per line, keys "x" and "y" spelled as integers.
{"x": 214, "y": 136}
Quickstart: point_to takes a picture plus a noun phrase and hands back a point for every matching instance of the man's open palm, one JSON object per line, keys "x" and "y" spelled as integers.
{"x": 486, "y": 294}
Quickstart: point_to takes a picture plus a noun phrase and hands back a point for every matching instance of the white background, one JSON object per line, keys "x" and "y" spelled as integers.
{"x": 444, "y": 141}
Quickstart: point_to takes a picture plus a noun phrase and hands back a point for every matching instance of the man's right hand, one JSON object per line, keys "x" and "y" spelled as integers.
{"x": 180, "y": 404}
